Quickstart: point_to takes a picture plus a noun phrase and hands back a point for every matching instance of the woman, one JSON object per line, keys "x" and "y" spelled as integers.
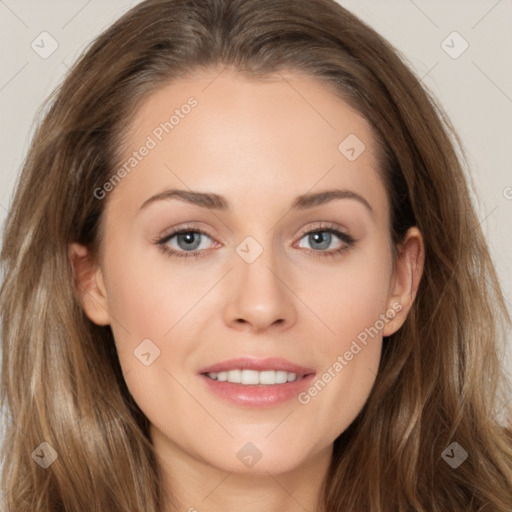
{"x": 252, "y": 372}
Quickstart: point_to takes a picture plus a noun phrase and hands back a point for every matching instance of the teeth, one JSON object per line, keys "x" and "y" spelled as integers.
{"x": 235, "y": 376}
{"x": 253, "y": 377}
{"x": 250, "y": 377}
{"x": 281, "y": 377}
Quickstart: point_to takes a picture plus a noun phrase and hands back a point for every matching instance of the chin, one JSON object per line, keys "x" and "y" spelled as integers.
{"x": 248, "y": 459}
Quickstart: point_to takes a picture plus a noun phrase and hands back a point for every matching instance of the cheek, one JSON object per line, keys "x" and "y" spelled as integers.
{"x": 140, "y": 316}
{"x": 145, "y": 297}
{"x": 147, "y": 303}
{"x": 351, "y": 351}
{"x": 354, "y": 294}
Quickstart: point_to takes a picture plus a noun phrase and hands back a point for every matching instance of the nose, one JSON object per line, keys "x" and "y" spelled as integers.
{"x": 260, "y": 297}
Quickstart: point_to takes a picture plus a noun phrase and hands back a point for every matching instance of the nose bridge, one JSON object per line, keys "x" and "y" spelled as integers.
{"x": 260, "y": 296}
{"x": 259, "y": 262}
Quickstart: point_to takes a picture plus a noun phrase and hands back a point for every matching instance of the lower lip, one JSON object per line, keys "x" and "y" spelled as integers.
{"x": 257, "y": 395}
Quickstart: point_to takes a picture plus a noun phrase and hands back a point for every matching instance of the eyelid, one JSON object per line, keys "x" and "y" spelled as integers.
{"x": 188, "y": 226}
{"x": 191, "y": 226}
{"x": 323, "y": 225}
{"x": 194, "y": 226}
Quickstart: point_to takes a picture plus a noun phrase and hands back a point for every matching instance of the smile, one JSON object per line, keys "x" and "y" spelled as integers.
{"x": 254, "y": 377}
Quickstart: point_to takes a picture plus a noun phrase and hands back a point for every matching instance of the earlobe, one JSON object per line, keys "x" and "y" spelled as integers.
{"x": 406, "y": 279}
{"x": 89, "y": 284}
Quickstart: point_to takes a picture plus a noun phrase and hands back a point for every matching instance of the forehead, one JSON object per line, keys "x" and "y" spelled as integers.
{"x": 215, "y": 130}
{"x": 304, "y": 108}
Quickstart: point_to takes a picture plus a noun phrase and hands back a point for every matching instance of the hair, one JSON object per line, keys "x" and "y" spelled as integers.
{"x": 440, "y": 378}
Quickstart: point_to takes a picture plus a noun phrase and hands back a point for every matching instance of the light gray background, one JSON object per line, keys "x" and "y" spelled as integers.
{"x": 475, "y": 88}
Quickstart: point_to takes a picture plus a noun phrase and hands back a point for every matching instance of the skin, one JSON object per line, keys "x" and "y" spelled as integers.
{"x": 260, "y": 144}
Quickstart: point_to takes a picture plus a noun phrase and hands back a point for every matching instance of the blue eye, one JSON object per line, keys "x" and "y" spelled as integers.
{"x": 324, "y": 236}
{"x": 188, "y": 240}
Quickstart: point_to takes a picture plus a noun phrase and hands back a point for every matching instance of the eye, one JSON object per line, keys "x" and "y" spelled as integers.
{"x": 188, "y": 240}
{"x": 322, "y": 238}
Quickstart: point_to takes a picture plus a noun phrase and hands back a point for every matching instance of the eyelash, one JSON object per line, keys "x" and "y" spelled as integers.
{"x": 345, "y": 237}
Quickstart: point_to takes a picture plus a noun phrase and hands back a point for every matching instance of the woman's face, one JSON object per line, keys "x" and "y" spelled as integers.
{"x": 281, "y": 286}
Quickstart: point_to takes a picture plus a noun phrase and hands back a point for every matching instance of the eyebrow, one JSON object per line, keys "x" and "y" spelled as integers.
{"x": 217, "y": 202}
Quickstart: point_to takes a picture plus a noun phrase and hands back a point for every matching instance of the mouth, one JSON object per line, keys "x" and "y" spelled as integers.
{"x": 253, "y": 382}
{"x": 254, "y": 377}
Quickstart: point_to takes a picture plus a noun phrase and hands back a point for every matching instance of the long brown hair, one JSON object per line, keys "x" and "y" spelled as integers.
{"x": 440, "y": 379}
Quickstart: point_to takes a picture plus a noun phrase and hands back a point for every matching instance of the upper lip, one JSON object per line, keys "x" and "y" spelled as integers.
{"x": 248, "y": 363}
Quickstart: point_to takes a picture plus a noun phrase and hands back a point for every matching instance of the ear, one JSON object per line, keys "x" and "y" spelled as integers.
{"x": 406, "y": 279}
{"x": 89, "y": 284}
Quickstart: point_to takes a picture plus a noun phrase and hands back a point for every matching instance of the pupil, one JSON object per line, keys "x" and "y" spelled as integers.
{"x": 188, "y": 238}
{"x": 320, "y": 237}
